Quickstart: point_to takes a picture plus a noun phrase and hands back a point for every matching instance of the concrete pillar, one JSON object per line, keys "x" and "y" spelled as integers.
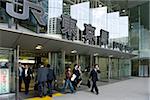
{"x": 109, "y": 68}
{"x": 96, "y": 60}
{"x": 139, "y": 71}
{"x": 37, "y": 28}
{"x": 16, "y": 61}
{"x": 149, "y": 67}
{"x": 91, "y": 60}
{"x": 118, "y": 68}
{"x": 77, "y": 59}
{"x": 77, "y": 34}
{"x": 63, "y": 59}
{"x": 49, "y": 58}
{"x": 130, "y": 68}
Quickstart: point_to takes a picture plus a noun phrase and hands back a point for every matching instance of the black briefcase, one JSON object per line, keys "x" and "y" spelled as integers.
{"x": 88, "y": 83}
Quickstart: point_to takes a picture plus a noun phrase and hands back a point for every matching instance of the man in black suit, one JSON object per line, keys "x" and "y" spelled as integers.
{"x": 94, "y": 76}
{"x": 42, "y": 78}
{"x": 20, "y": 70}
{"x": 26, "y": 74}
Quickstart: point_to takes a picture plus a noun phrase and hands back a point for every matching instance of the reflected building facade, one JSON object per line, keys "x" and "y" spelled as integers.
{"x": 139, "y": 38}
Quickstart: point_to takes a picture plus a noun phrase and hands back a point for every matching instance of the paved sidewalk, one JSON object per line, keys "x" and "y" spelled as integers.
{"x": 132, "y": 89}
{"x": 7, "y": 96}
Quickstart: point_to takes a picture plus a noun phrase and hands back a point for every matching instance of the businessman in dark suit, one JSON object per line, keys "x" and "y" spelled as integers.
{"x": 42, "y": 78}
{"x": 26, "y": 74}
{"x": 94, "y": 76}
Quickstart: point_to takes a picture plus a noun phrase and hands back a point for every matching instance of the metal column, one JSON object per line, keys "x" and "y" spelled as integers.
{"x": 16, "y": 62}
{"x": 77, "y": 59}
{"x": 63, "y": 59}
{"x": 49, "y": 58}
{"x": 119, "y": 68}
{"x": 91, "y": 61}
{"x": 96, "y": 60}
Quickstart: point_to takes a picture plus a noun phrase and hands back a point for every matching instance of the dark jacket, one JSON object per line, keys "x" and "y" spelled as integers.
{"x": 29, "y": 72}
{"x": 76, "y": 72}
{"x": 94, "y": 75}
{"x": 51, "y": 74}
{"x": 42, "y": 74}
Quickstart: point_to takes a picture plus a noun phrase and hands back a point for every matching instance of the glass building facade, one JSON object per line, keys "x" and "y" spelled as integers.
{"x": 140, "y": 38}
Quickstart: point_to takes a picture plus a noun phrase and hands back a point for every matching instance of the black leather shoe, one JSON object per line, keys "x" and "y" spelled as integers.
{"x": 92, "y": 91}
{"x": 50, "y": 95}
{"x": 97, "y": 93}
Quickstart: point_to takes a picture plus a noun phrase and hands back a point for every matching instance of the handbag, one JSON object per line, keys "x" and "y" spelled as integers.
{"x": 73, "y": 77}
{"x": 88, "y": 83}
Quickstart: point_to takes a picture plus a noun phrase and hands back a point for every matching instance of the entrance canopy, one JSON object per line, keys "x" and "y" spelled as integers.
{"x": 10, "y": 38}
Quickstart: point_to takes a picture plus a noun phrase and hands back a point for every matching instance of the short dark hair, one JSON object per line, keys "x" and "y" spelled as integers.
{"x": 48, "y": 65}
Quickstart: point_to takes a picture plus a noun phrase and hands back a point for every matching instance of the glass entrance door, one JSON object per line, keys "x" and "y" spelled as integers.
{"x": 57, "y": 61}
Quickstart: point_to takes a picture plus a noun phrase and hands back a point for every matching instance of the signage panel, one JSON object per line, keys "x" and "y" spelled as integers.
{"x": 4, "y": 80}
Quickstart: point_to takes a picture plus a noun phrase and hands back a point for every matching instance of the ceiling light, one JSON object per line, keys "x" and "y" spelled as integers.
{"x": 110, "y": 56}
{"x": 100, "y": 5}
{"x": 96, "y": 54}
{"x": 38, "y": 47}
{"x": 20, "y": 10}
{"x": 74, "y": 51}
{"x": 64, "y": 4}
{"x": 123, "y": 10}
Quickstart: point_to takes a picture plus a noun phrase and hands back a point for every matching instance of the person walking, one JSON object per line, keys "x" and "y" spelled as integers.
{"x": 68, "y": 80}
{"x": 42, "y": 78}
{"x": 80, "y": 77}
{"x": 77, "y": 73}
{"x": 50, "y": 77}
{"x": 20, "y": 70}
{"x": 94, "y": 77}
{"x": 26, "y": 77}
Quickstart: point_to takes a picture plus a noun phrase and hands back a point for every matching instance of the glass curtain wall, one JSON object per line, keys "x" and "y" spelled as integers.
{"x": 124, "y": 68}
{"x": 115, "y": 69}
{"x": 84, "y": 62}
{"x": 103, "y": 63}
{"x": 140, "y": 37}
{"x": 57, "y": 62}
{"x": 114, "y": 23}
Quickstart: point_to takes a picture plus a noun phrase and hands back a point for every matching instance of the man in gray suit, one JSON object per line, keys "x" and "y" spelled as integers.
{"x": 42, "y": 78}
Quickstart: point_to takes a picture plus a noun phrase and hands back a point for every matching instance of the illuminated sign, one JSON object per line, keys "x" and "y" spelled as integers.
{"x": 4, "y": 80}
{"x": 37, "y": 11}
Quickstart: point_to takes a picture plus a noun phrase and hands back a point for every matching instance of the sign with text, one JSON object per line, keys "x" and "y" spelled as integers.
{"x": 89, "y": 33}
{"x": 4, "y": 80}
{"x": 103, "y": 38}
{"x": 122, "y": 47}
{"x": 69, "y": 28}
{"x": 37, "y": 11}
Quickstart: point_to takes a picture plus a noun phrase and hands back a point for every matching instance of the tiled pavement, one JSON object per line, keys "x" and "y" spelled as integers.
{"x": 132, "y": 89}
